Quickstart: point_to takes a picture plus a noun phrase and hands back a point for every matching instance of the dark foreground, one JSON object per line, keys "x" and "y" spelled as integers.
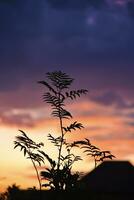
{"x": 83, "y": 195}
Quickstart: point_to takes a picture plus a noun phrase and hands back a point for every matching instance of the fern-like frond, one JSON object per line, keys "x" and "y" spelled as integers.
{"x": 67, "y": 157}
{"x": 22, "y": 147}
{"x": 75, "y": 93}
{"x": 36, "y": 157}
{"x": 65, "y": 114}
{"x": 59, "y": 79}
{"x": 55, "y": 140}
{"x": 46, "y": 175}
{"x": 54, "y": 101}
{"x": 79, "y": 143}
{"x": 51, "y": 89}
{"x": 90, "y": 148}
{"x": 61, "y": 113}
{"x": 51, "y": 161}
{"x": 26, "y": 141}
{"x": 105, "y": 155}
{"x": 77, "y": 158}
{"x": 95, "y": 152}
{"x": 73, "y": 159}
{"x": 73, "y": 126}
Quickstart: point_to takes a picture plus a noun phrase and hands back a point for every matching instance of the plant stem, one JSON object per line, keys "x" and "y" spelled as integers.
{"x": 60, "y": 148}
{"x": 36, "y": 170}
{"x": 37, "y": 174}
{"x": 62, "y": 134}
{"x": 38, "y": 177}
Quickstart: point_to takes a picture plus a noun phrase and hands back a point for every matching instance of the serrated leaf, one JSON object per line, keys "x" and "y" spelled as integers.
{"x": 48, "y": 86}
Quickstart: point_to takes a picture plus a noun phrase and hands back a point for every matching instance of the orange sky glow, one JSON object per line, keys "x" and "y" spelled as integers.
{"x": 103, "y": 126}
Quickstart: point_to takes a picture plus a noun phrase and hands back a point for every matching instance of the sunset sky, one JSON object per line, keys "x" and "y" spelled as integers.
{"x": 93, "y": 42}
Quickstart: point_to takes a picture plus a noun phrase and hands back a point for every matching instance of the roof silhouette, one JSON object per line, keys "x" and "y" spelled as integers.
{"x": 110, "y": 176}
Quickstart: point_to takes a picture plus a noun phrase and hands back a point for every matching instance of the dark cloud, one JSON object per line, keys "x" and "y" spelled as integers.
{"x": 130, "y": 124}
{"x": 94, "y": 45}
{"x": 8, "y": 1}
{"x": 130, "y": 6}
{"x": 131, "y": 115}
{"x": 75, "y": 4}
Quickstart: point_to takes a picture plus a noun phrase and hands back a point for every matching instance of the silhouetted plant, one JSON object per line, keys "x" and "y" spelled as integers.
{"x": 3, "y": 196}
{"x": 12, "y": 192}
{"x": 31, "y": 151}
{"x": 96, "y": 153}
{"x": 59, "y": 174}
{"x": 93, "y": 151}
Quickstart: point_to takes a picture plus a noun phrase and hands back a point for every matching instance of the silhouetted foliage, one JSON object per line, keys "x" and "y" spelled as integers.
{"x": 11, "y": 193}
{"x": 96, "y": 153}
{"x": 59, "y": 174}
{"x": 30, "y": 150}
